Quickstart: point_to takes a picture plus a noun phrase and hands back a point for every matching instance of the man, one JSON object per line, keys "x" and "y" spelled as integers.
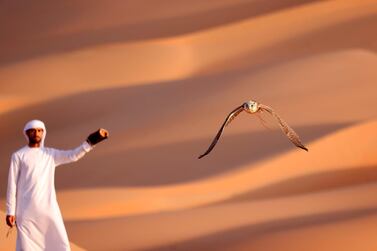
{"x": 31, "y": 199}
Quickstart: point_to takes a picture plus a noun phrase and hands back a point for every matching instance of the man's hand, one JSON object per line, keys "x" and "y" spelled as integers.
{"x": 11, "y": 220}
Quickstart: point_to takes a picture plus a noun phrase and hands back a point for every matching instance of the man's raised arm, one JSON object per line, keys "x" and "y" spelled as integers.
{"x": 67, "y": 156}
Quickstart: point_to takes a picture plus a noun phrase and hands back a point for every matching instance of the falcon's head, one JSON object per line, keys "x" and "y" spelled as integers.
{"x": 251, "y": 106}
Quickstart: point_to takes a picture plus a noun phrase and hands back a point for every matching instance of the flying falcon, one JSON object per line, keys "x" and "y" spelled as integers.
{"x": 254, "y": 107}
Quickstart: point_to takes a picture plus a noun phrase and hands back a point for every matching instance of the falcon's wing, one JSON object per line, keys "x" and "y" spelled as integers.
{"x": 228, "y": 119}
{"x": 233, "y": 115}
{"x": 291, "y": 134}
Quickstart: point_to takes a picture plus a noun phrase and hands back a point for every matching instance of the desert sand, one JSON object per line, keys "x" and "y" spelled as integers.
{"x": 161, "y": 76}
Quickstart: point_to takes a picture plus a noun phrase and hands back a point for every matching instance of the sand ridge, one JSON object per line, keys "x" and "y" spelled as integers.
{"x": 162, "y": 79}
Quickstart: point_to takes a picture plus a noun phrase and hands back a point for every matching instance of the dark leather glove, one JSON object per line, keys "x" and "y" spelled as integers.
{"x": 97, "y": 136}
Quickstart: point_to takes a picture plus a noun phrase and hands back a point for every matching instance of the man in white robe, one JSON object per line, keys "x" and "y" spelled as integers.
{"x": 31, "y": 199}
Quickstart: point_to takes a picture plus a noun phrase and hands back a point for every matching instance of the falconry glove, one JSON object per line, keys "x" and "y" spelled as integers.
{"x": 97, "y": 136}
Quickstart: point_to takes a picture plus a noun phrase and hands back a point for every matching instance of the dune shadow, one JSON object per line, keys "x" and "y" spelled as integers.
{"x": 323, "y": 181}
{"x": 213, "y": 241}
{"x": 120, "y": 109}
{"x": 32, "y": 46}
{"x": 351, "y": 35}
{"x": 227, "y": 239}
{"x": 135, "y": 109}
{"x": 177, "y": 163}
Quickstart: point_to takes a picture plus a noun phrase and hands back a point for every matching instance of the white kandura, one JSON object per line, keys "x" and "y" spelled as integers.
{"x": 31, "y": 195}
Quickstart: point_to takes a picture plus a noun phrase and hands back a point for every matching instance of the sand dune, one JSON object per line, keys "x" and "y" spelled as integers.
{"x": 228, "y": 90}
{"x": 8, "y": 103}
{"x": 169, "y": 229}
{"x": 74, "y": 26}
{"x": 340, "y": 233}
{"x": 119, "y": 64}
{"x": 179, "y": 234}
{"x": 171, "y": 123}
{"x": 142, "y": 125}
{"x": 225, "y": 92}
{"x": 310, "y": 43}
{"x": 161, "y": 76}
{"x": 329, "y": 154}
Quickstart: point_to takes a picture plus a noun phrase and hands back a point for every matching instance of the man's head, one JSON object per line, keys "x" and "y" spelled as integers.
{"x": 35, "y": 132}
{"x": 35, "y": 135}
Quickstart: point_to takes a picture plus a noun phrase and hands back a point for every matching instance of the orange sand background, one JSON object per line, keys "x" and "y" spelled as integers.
{"x": 161, "y": 76}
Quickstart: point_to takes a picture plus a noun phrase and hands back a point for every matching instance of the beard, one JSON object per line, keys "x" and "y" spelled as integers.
{"x": 35, "y": 140}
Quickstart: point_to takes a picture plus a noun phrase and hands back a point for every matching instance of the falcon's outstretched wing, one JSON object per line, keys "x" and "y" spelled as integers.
{"x": 291, "y": 134}
{"x": 228, "y": 119}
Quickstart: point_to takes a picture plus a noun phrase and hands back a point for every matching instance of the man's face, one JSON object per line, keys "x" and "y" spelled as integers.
{"x": 35, "y": 135}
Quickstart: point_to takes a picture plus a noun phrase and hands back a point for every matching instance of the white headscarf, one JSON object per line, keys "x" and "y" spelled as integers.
{"x": 34, "y": 124}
